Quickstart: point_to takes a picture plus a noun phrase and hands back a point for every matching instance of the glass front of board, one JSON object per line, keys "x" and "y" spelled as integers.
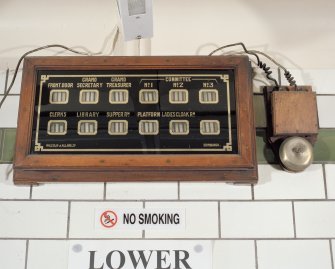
{"x": 135, "y": 112}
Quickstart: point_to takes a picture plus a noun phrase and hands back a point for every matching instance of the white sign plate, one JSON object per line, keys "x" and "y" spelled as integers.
{"x": 140, "y": 254}
{"x": 139, "y": 218}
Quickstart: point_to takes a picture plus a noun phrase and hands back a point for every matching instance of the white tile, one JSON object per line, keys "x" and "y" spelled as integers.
{"x": 256, "y": 220}
{"x": 274, "y": 183}
{"x": 201, "y": 220}
{"x": 315, "y": 219}
{"x": 9, "y": 111}
{"x": 293, "y": 254}
{"x": 7, "y": 188}
{"x": 214, "y": 190}
{"x": 69, "y": 191}
{"x": 330, "y": 177}
{"x": 12, "y": 254}
{"x": 142, "y": 190}
{"x": 51, "y": 254}
{"x": 16, "y": 89}
{"x": 82, "y": 220}
{"x": 2, "y": 81}
{"x": 319, "y": 79}
{"x": 326, "y": 110}
{"x": 233, "y": 254}
{"x": 31, "y": 219}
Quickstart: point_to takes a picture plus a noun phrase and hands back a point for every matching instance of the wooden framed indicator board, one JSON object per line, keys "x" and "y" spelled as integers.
{"x": 135, "y": 118}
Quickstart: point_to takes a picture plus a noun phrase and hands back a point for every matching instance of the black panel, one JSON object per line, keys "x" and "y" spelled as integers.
{"x": 133, "y": 142}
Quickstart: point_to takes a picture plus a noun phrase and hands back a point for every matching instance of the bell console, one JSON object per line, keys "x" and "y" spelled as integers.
{"x": 136, "y": 118}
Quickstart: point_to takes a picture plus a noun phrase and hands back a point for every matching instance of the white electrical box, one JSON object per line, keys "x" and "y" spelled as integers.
{"x": 136, "y": 17}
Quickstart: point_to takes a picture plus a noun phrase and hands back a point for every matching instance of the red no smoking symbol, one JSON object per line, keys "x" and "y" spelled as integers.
{"x": 108, "y": 219}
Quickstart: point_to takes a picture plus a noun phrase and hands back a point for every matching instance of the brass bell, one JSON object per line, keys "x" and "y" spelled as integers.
{"x": 296, "y": 154}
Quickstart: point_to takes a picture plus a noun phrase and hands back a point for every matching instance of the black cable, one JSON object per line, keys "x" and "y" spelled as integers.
{"x": 287, "y": 73}
{"x": 7, "y": 91}
{"x": 261, "y": 64}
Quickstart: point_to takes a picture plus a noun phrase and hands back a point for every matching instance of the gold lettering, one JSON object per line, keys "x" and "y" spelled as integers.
{"x": 54, "y": 85}
{"x": 67, "y": 85}
{"x": 87, "y": 114}
{"x": 118, "y": 79}
{"x": 57, "y": 114}
{"x": 118, "y": 114}
{"x": 118, "y": 85}
{"x": 178, "y": 79}
{"x": 89, "y": 85}
{"x": 89, "y": 79}
{"x": 150, "y": 114}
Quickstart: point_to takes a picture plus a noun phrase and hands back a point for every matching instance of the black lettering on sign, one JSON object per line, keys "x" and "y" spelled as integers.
{"x": 142, "y": 258}
{"x": 138, "y": 257}
{"x": 129, "y": 218}
{"x": 122, "y": 259}
{"x": 92, "y": 258}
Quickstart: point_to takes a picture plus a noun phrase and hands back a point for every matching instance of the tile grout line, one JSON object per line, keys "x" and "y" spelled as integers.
{"x": 31, "y": 192}
{"x": 26, "y": 257}
{"x": 331, "y": 253}
{"x": 178, "y": 187}
{"x": 293, "y": 217}
{"x": 143, "y": 231}
{"x": 325, "y": 180}
{"x": 256, "y": 254}
{"x": 68, "y": 219}
{"x": 175, "y": 238}
{"x": 169, "y": 200}
{"x": 105, "y": 191}
{"x": 219, "y": 218}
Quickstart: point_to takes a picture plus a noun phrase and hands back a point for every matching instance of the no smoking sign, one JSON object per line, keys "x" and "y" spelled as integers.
{"x": 108, "y": 219}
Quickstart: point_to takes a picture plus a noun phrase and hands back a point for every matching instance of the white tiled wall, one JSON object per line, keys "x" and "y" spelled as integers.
{"x": 213, "y": 190}
{"x": 9, "y": 111}
{"x": 142, "y": 191}
{"x": 74, "y": 191}
{"x": 286, "y": 221}
{"x": 330, "y": 177}
{"x": 294, "y": 254}
{"x": 8, "y": 190}
{"x": 315, "y": 219}
{"x": 256, "y": 220}
{"x": 307, "y": 185}
{"x": 32, "y": 219}
{"x": 54, "y": 252}
{"x": 326, "y": 110}
{"x": 12, "y": 254}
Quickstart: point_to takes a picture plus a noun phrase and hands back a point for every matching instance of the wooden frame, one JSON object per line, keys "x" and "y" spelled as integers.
{"x": 239, "y": 168}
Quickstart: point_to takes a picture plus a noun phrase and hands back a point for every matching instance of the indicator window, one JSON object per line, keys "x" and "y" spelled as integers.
{"x": 148, "y": 127}
{"x": 208, "y": 96}
{"x": 179, "y": 127}
{"x": 118, "y": 96}
{"x": 149, "y": 96}
{"x": 210, "y": 127}
{"x": 89, "y": 96}
{"x": 118, "y": 127}
{"x": 59, "y": 97}
{"x": 57, "y": 127}
{"x": 178, "y": 96}
{"x": 87, "y": 127}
